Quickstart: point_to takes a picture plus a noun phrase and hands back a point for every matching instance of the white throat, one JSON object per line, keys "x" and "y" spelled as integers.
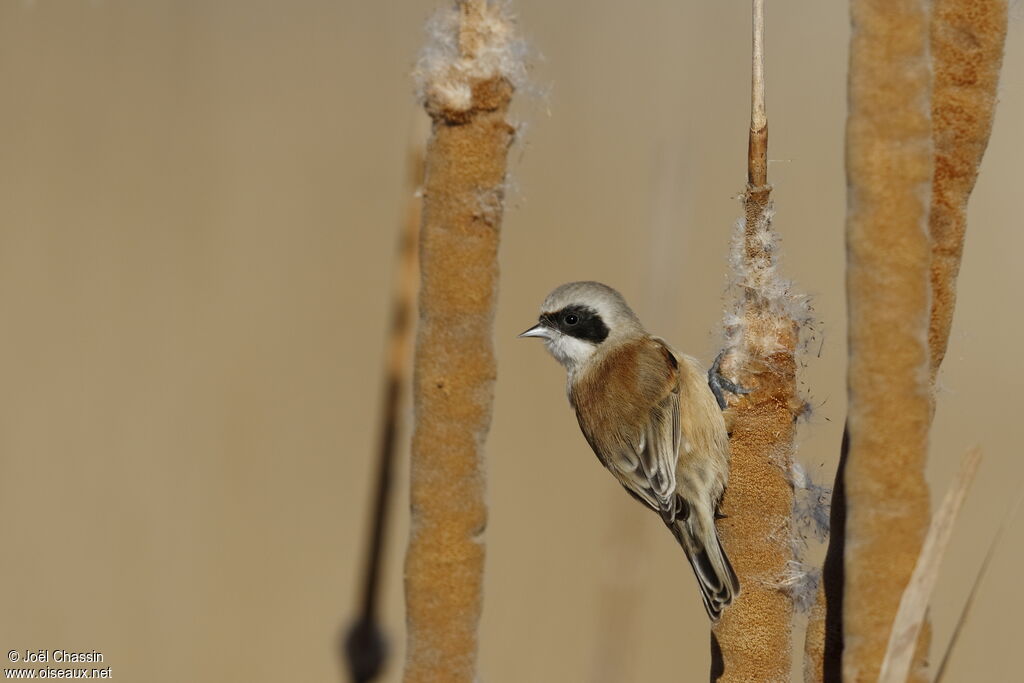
{"x": 569, "y": 351}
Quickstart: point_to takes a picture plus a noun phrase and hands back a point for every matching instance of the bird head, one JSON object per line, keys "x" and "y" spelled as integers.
{"x": 578, "y": 318}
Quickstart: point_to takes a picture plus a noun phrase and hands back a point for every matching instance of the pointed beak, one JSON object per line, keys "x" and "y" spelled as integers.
{"x": 538, "y": 330}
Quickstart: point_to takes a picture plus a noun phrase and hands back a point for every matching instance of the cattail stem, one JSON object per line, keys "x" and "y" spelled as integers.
{"x": 966, "y": 39}
{"x": 889, "y": 171}
{"x": 467, "y": 93}
{"x": 757, "y": 146}
{"x": 752, "y": 639}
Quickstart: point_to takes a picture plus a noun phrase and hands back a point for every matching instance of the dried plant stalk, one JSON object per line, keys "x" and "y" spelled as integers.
{"x": 365, "y": 645}
{"x": 751, "y": 642}
{"x": 466, "y": 79}
{"x": 979, "y": 579}
{"x": 966, "y": 44}
{"x": 967, "y": 38}
{"x": 903, "y": 638}
{"x": 889, "y": 170}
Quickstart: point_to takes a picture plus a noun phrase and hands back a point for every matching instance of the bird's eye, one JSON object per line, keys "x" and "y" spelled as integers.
{"x": 571, "y": 319}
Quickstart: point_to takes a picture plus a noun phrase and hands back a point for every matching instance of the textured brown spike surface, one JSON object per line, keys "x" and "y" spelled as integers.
{"x": 966, "y": 44}
{"x": 751, "y": 642}
{"x": 967, "y": 38}
{"x": 454, "y": 362}
{"x": 889, "y": 172}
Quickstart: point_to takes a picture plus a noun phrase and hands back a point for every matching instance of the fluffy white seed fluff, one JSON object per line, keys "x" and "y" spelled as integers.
{"x": 776, "y": 299}
{"x": 811, "y": 503}
{"x": 445, "y": 76}
{"x": 800, "y": 582}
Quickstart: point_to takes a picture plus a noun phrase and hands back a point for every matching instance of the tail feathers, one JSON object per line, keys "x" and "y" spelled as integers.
{"x": 715, "y": 576}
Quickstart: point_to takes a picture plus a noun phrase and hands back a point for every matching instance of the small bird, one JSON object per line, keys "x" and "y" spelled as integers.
{"x": 650, "y": 417}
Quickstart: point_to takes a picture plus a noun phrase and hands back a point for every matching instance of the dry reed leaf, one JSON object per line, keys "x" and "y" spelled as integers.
{"x": 914, "y": 604}
{"x": 978, "y": 579}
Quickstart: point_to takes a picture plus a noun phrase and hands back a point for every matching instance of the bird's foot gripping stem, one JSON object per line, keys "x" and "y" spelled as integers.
{"x": 719, "y": 384}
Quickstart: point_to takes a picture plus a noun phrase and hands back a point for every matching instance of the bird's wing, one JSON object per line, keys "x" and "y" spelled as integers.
{"x": 628, "y": 409}
{"x": 703, "y": 467}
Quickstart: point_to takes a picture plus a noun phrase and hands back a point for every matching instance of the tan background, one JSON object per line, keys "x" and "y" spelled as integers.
{"x": 198, "y": 209}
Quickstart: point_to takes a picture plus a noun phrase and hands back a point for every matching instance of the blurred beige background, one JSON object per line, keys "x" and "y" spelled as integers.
{"x": 199, "y": 203}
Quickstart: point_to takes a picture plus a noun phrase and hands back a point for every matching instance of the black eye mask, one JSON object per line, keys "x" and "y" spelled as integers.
{"x": 581, "y": 322}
